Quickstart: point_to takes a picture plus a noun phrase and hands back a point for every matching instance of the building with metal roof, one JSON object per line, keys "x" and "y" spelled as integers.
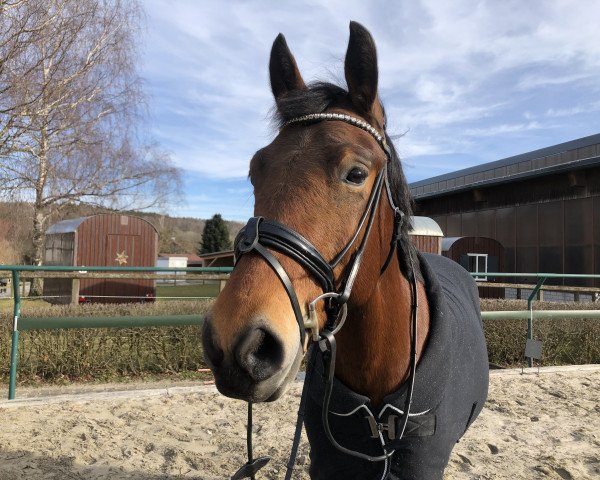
{"x": 566, "y": 156}
{"x": 542, "y": 206}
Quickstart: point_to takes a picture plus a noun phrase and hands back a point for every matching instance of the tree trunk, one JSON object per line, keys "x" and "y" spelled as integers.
{"x": 39, "y": 219}
{"x": 37, "y": 284}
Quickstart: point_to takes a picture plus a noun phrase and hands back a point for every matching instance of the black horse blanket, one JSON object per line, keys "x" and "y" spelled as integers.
{"x": 450, "y": 389}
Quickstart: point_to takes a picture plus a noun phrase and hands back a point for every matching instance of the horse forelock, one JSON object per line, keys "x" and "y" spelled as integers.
{"x": 316, "y": 98}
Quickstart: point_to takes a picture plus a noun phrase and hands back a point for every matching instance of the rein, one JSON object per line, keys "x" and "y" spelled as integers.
{"x": 260, "y": 234}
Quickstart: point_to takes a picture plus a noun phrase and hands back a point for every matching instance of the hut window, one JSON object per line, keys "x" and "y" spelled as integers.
{"x": 478, "y": 263}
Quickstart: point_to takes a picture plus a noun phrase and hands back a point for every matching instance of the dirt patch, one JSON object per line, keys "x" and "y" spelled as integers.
{"x": 533, "y": 426}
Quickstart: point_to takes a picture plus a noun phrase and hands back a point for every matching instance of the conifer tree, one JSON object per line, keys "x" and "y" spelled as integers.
{"x": 215, "y": 237}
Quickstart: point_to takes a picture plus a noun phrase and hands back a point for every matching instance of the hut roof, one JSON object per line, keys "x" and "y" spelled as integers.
{"x": 426, "y": 226}
{"x": 71, "y": 225}
{"x": 66, "y": 226}
{"x": 448, "y": 242}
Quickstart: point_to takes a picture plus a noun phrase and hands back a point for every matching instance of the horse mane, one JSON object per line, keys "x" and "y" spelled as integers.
{"x": 317, "y": 98}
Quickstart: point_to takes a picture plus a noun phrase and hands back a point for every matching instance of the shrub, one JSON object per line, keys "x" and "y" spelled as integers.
{"x": 87, "y": 354}
{"x": 105, "y": 354}
{"x": 566, "y": 341}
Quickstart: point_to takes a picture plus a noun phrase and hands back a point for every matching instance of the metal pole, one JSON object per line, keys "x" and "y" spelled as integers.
{"x": 15, "y": 337}
{"x": 519, "y": 315}
{"x": 533, "y": 294}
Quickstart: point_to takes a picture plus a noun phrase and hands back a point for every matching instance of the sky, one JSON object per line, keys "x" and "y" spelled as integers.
{"x": 464, "y": 82}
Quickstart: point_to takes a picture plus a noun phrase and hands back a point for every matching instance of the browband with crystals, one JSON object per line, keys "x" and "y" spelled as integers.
{"x": 357, "y": 122}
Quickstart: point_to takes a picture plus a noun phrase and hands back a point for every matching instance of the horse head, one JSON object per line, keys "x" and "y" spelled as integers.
{"x": 322, "y": 184}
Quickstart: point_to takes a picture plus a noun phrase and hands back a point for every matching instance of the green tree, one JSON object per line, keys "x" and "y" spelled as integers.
{"x": 215, "y": 237}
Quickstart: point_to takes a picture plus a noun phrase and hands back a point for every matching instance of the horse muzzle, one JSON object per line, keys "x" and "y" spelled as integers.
{"x": 256, "y": 369}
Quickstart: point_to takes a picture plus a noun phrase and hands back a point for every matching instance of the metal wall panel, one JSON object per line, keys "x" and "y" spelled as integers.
{"x": 486, "y": 223}
{"x": 551, "y": 238}
{"x": 453, "y": 225}
{"x": 579, "y": 238}
{"x": 469, "y": 224}
{"x": 506, "y": 235}
{"x": 442, "y": 222}
{"x": 527, "y": 240}
{"x": 596, "y": 230}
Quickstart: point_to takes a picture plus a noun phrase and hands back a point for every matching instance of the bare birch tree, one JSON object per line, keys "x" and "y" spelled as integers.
{"x": 69, "y": 110}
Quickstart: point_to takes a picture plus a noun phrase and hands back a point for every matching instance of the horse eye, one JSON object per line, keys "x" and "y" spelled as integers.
{"x": 357, "y": 176}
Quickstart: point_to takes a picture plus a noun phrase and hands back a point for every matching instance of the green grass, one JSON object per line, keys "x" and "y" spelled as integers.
{"x": 7, "y": 305}
{"x": 208, "y": 290}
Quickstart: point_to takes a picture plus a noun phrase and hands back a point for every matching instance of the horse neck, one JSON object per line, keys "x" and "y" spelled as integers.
{"x": 374, "y": 345}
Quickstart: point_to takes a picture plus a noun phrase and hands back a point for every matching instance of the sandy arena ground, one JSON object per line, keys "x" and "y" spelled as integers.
{"x": 533, "y": 426}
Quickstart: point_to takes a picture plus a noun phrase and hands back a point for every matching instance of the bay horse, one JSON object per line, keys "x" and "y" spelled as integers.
{"x": 394, "y": 389}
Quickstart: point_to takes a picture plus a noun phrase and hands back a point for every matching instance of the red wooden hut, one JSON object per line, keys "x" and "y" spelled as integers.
{"x": 426, "y": 235}
{"x": 101, "y": 240}
{"x": 477, "y": 255}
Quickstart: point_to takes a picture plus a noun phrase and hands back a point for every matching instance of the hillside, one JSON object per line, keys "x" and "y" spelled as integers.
{"x": 182, "y": 234}
{"x": 176, "y": 234}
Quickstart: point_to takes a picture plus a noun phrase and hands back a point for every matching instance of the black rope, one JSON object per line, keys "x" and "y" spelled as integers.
{"x": 301, "y": 413}
{"x": 249, "y": 469}
{"x": 249, "y": 437}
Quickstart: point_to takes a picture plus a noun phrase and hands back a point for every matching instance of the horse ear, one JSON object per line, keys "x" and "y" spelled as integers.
{"x": 283, "y": 69}
{"x": 360, "y": 68}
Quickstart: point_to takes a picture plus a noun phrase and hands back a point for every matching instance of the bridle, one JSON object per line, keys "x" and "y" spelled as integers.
{"x": 260, "y": 235}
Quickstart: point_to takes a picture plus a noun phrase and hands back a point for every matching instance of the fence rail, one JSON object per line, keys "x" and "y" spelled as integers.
{"x": 207, "y": 273}
{"x": 541, "y": 279}
{"x": 30, "y": 271}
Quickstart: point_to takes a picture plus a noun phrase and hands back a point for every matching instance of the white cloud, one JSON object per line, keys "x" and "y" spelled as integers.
{"x": 503, "y": 129}
{"x": 451, "y": 73}
{"x": 541, "y": 80}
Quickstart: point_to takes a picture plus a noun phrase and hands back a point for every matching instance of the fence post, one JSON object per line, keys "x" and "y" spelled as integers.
{"x": 533, "y": 294}
{"x": 75, "y": 292}
{"x": 14, "y": 351}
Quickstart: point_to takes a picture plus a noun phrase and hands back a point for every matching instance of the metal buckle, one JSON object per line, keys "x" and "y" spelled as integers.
{"x": 312, "y": 321}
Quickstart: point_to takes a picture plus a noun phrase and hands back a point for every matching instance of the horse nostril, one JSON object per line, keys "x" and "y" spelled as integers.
{"x": 260, "y": 353}
{"x": 212, "y": 353}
